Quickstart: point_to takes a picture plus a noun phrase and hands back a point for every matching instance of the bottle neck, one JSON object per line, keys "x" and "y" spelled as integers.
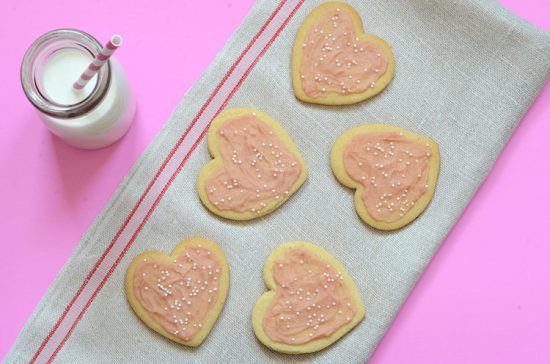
{"x": 50, "y": 51}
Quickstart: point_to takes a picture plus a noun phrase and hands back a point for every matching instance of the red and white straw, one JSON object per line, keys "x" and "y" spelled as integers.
{"x": 98, "y": 62}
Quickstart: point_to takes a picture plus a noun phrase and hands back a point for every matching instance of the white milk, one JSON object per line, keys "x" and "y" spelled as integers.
{"x": 60, "y": 72}
{"x": 103, "y": 125}
{"x": 93, "y": 117}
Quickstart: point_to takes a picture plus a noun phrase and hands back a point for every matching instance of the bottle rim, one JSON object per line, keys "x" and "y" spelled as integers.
{"x": 44, "y": 47}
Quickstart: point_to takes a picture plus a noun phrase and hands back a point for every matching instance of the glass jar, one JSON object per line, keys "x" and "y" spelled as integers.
{"x": 93, "y": 117}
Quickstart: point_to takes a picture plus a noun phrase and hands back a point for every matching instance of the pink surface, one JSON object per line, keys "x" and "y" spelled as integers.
{"x": 482, "y": 299}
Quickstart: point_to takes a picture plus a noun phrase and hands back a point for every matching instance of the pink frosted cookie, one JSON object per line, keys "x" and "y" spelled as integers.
{"x": 393, "y": 170}
{"x": 311, "y": 303}
{"x": 179, "y": 296}
{"x": 334, "y": 62}
{"x": 255, "y": 167}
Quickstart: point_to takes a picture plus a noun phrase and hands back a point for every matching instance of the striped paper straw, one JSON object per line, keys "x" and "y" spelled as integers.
{"x": 98, "y": 62}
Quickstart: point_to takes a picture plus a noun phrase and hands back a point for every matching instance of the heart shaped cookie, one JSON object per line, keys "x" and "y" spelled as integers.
{"x": 179, "y": 296}
{"x": 311, "y": 303}
{"x": 255, "y": 167}
{"x": 334, "y": 62}
{"x": 393, "y": 170}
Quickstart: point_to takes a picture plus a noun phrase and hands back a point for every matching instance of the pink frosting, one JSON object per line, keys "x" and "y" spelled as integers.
{"x": 334, "y": 60}
{"x": 392, "y": 169}
{"x": 257, "y": 167}
{"x": 178, "y": 295}
{"x": 311, "y": 300}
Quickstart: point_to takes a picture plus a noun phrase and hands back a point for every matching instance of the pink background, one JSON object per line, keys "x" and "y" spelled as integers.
{"x": 485, "y": 296}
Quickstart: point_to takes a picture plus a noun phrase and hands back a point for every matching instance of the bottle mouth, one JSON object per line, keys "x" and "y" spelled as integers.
{"x": 40, "y": 51}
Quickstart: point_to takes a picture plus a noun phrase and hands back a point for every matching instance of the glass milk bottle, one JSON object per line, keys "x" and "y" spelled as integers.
{"x": 90, "y": 118}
